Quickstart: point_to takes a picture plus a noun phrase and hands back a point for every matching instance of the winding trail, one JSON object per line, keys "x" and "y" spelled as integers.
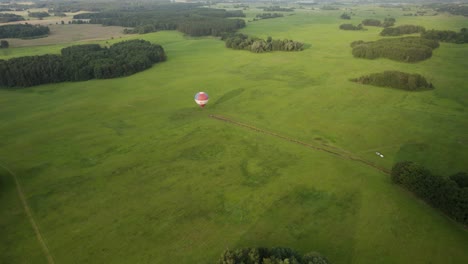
{"x": 29, "y": 215}
{"x": 331, "y": 150}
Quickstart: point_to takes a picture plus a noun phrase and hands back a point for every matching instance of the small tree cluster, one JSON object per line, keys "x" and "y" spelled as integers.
{"x": 277, "y": 9}
{"x": 268, "y": 15}
{"x": 269, "y": 256}
{"x": 257, "y": 45}
{"x": 401, "y": 30}
{"x": 39, "y": 15}
{"x": 408, "y": 49}
{"x": 345, "y": 16}
{"x": 396, "y": 79}
{"x": 81, "y": 62}
{"x": 450, "y": 195}
{"x": 23, "y": 31}
{"x": 4, "y": 44}
{"x": 351, "y": 27}
{"x": 388, "y": 22}
{"x": 447, "y": 35}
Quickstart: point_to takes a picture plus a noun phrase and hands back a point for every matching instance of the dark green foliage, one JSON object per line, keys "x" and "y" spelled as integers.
{"x": 4, "y": 18}
{"x": 187, "y": 18}
{"x": 23, "y": 31}
{"x": 4, "y": 44}
{"x": 371, "y": 22}
{"x": 388, "y": 22}
{"x": 401, "y": 30}
{"x": 396, "y": 79}
{"x": 455, "y": 9}
{"x": 461, "y": 178}
{"x": 268, "y": 15}
{"x": 351, "y": 27}
{"x": 277, "y": 9}
{"x": 408, "y": 49}
{"x": 445, "y": 194}
{"x": 79, "y": 63}
{"x": 345, "y": 16}
{"x": 38, "y": 14}
{"x": 447, "y": 35}
{"x": 257, "y": 45}
{"x": 276, "y": 255}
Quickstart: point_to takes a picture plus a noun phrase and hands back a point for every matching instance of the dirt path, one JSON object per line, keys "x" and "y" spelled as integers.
{"x": 331, "y": 150}
{"x": 34, "y": 225}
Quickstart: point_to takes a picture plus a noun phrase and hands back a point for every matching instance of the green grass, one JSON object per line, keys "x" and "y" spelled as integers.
{"x": 129, "y": 170}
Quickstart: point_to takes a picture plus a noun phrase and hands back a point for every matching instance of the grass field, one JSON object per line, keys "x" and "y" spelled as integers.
{"x": 130, "y": 170}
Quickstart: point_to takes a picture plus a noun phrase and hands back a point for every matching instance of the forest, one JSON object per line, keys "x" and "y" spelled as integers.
{"x": 449, "y": 194}
{"x": 188, "y": 18}
{"x": 23, "y": 31}
{"x": 277, "y": 255}
{"x": 447, "y": 35}
{"x": 6, "y": 17}
{"x": 407, "y": 49}
{"x": 80, "y": 63}
{"x": 401, "y": 30}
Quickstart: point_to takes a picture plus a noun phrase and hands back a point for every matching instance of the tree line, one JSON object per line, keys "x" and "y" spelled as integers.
{"x": 278, "y": 255}
{"x": 257, "y": 45}
{"x": 5, "y": 17}
{"x": 268, "y": 15}
{"x": 23, "y": 31}
{"x": 190, "y": 19}
{"x": 401, "y": 30}
{"x": 449, "y": 194}
{"x": 388, "y": 22}
{"x": 351, "y": 27}
{"x": 447, "y": 35}
{"x": 277, "y": 9}
{"x": 396, "y": 79}
{"x": 39, "y": 15}
{"x": 407, "y": 49}
{"x": 80, "y": 63}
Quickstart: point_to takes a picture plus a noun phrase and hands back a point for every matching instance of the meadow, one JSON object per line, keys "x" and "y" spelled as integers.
{"x": 130, "y": 170}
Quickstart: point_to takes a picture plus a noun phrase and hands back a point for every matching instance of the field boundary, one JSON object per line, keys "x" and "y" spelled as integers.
{"x": 335, "y": 151}
{"x": 29, "y": 215}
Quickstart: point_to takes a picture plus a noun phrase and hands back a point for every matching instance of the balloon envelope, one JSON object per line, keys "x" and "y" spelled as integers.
{"x": 201, "y": 98}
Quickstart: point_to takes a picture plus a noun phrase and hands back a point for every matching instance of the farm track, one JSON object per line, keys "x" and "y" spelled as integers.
{"x": 29, "y": 215}
{"x": 324, "y": 148}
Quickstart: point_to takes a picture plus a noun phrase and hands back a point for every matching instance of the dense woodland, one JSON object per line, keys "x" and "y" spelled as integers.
{"x": 447, "y": 35}
{"x": 402, "y": 30}
{"x": 396, "y": 79}
{"x": 81, "y": 62}
{"x": 187, "y": 18}
{"x": 23, "y": 31}
{"x": 5, "y": 17}
{"x": 449, "y": 194}
{"x": 407, "y": 49}
{"x": 258, "y": 45}
{"x": 270, "y": 256}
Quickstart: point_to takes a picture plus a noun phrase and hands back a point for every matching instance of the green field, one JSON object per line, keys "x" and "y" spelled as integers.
{"x": 130, "y": 170}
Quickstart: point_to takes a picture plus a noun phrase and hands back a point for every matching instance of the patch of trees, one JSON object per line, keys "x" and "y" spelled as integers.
{"x": 277, "y": 9}
{"x": 80, "y": 63}
{"x": 396, "y": 79}
{"x": 277, "y": 255}
{"x": 407, "y": 49}
{"x": 401, "y": 30}
{"x": 447, "y": 35}
{"x": 187, "y": 18}
{"x": 5, "y": 17}
{"x": 39, "y": 15}
{"x": 4, "y": 44}
{"x": 345, "y": 16}
{"x": 450, "y": 194}
{"x": 388, "y": 22}
{"x": 329, "y": 7}
{"x": 257, "y": 45}
{"x": 455, "y": 9}
{"x": 351, "y": 27}
{"x": 23, "y": 31}
{"x": 268, "y": 15}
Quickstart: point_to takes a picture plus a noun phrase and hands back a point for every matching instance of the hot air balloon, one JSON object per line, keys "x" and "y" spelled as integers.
{"x": 201, "y": 99}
